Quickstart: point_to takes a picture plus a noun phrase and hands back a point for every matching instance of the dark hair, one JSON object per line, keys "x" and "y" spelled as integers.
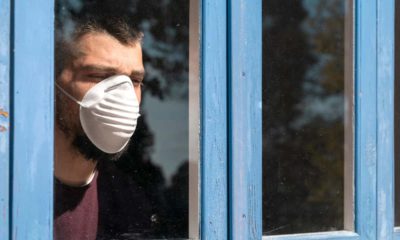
{"x": 70, "y": 30}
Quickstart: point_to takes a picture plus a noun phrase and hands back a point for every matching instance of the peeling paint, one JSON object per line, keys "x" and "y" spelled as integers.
{"x": 382, "y": 209}
{"x": 3, "y": 113}
{"x": 4, "y": 147}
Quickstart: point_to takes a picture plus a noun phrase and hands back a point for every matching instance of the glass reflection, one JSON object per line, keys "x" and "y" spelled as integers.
{"x": 155, "y": 165}
{"x": 304, "y": 99}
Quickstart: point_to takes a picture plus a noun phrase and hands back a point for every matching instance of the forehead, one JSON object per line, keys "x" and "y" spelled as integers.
{"x": 104, "y": 49}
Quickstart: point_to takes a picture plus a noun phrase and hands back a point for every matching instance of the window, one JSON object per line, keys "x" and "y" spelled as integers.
{"x": 307, "y": 116}
{"x": 150, "y": 189}
{"x": 225, "y": 122}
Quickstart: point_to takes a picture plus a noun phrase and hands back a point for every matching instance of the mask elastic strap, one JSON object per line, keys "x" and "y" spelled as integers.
{"x": 67, "y": 94}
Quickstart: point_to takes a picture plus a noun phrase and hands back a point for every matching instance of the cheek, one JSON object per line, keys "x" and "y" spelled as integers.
{"x": 69, "y": 81}
{"x": 138, "y": 92}
{"x": 64, "y": 104}
{"x": 80, "y": 88}
{"x": 67, "y": 113}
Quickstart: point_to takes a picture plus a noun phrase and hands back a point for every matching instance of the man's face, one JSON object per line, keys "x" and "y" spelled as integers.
{"x": 96, "y": 56}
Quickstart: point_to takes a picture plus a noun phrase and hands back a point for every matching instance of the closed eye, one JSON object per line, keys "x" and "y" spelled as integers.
{"x": 137, "y": 82}
{"x": 98, "y": 76}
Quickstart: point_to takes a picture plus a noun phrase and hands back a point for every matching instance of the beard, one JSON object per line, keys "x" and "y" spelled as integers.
{"x": 67, "y": 119}
{"x": 85, "y": 147}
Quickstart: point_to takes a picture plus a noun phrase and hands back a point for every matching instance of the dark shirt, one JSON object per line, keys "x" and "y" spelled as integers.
{"x": 112, "y": 206}
{"x": 76, "y": 211}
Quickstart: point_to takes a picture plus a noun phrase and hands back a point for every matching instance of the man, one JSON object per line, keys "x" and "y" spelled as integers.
{"x": 99, "y": 72}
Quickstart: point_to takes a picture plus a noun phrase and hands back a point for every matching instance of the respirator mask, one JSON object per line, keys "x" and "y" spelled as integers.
{"x": 108, "y": 113}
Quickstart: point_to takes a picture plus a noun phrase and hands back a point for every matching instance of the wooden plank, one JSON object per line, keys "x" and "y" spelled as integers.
{"x": 396, "y": 233}
{"x": 397, "y": 115}
{"x": 366, "y": 119}
{"x": 245, "y": 37}
{"x": 33, "y": 102}
{"x": 214, "y": 163}
{"x": 348, "y": 203}
{"x": 334, "y": 235}
{"x": 4, "y": 117}
{"x": 194, "y": 118}
{"x": 385, "y": 121}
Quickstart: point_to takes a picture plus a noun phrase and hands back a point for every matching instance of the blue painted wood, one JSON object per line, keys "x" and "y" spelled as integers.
{"x": 396, "y": 233}
{"x": 4, "y": 117}
{"x": 385, "y": 121}
{"x": 214, "y": 163}
{"x": 366, "y": 119}
{"x": 245, "y": 37}
{"x": 32, "y": 108}
{"x": 334, "y": 235}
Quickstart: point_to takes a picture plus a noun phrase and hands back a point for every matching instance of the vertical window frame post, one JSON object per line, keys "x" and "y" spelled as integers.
{"x": 245, "y": 118}
{"x": 5, "y": 7}
{"x": 32, "y": 98}
{"x": 214, "y": 155}
{"x": 385, "y": 118}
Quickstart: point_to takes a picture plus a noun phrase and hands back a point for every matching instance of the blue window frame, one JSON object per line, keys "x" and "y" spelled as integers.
{"x": 31, "y": 96}
{"x": 374, "y": 77}
{"x": 230, "y": 121}
{"x": 245, "y": 118}
{"x": 214, "y": 164}
{"x": 4, "y": 117}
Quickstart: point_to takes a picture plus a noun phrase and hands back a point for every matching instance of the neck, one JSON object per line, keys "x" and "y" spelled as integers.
{"x": 71, "y": 167}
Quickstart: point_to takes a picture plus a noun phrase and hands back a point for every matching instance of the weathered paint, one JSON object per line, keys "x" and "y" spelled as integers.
{"x": 245, "y": 75}
{"x": 396, "y": 112}
{"x": 385, "y": 119}
{"x": 366, "y": 119}
{"x": 4, "y": 117}
{"x": 214, "y": 177}
{"x": 396, "y": 233}
{"x": 32, "y": 114}
{"x": 3, "y": 113}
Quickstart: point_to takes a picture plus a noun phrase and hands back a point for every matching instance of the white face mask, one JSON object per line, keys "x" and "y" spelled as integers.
{"x": 109, "y": 112}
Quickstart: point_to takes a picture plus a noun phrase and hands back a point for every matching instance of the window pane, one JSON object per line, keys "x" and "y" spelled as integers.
{"x": 120, "y": 175}
{"x": 307, "y": 116}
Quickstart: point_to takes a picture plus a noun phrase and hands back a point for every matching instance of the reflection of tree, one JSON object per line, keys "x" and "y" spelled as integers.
{"x": 178, "y": 201}
{"x": 165, "y": 48}
{"x": 302, "y": 144}
{"x": 171, "y": 204}
{"x": 329, "y": 41}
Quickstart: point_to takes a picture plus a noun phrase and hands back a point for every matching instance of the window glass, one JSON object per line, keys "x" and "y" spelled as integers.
{"x": 307, "y": 116}
{"x": 122, "y": 82}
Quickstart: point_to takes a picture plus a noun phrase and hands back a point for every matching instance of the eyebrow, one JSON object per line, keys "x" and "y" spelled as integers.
{"x": 135, "y": 74}
{"x": 138, "y": 75}
{"x": 99, "y": 68}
